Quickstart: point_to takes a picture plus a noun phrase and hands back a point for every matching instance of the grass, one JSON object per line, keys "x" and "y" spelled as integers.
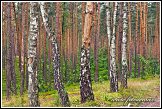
{"x": 137, "y": 88}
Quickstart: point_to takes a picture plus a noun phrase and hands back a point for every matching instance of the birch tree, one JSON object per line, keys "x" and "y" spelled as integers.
{"x": 85, "y": 79}
{"x": 124, "y": 54}
{"x": 56, "y": 59}
{"x": 108, "y": 21}
{"x": 32, "y": 59}
{"x": 113, "y": 75}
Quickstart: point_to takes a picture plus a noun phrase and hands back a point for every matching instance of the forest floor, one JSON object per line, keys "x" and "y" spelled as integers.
{"x": 138, "y": 89}
{"x": 153, "y": 104}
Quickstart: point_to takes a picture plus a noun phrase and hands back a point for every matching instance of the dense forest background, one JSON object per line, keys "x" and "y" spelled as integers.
{"x": 131, "y": 29}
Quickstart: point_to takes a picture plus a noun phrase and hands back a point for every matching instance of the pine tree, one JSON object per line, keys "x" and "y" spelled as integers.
{"x": 9, "y": 52}
{"x": 22, "y": 71}
{"x": 96, "y": 37}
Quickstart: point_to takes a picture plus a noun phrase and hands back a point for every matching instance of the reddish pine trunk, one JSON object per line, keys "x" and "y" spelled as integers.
{"x": 9, "y": 52}
{"x": 129, "y": 40}
{"x": 96, "y": 35}
{"x": 136, "y": 40}
{"x": 22, "y": 50}
{"x": 44, "y": 57}
{"x": 120, "y": 40}
{"x": 13, "y": 75}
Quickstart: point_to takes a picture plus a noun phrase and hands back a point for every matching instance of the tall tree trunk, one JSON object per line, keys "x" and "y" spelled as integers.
{"x": 44, "y": 57}
{"x": 20, "y": 32}
{"x": 85, "y": 76}
{"x": 158, "y": 30}
{"x": 72, "y": 35}
{"x": 113, "y": 75}
{"x": 120, "y": 42}
{"x": 124, "y": 53}
{"x": 108, "y": 34}
{"x": 13, "y": 75}
{"x": 96, "y": 33}
{"x": 56, "y": 60}
{"x": 4, "y": 35}
{"x": 144, "y": 36}
{"x": 75, "y": 39}
{"x": 22, "y": 50}
{"x": 146, "y": 29}
{"x": 136, "y": 39}
{"x": 156, "y": 44}
{"x": 83, "y": 16}
{"x": 129, "y": 39}
{"x": 139, "y": 40}
{"x": 26, "y": 47}
{"x": 9, "y": 52}
{"x": 58, "y": 4}
{"x": 32, "y": 59}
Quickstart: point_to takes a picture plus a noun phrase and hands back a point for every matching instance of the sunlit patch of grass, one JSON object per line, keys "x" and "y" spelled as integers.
{"x": 16, "y": 101}
{"x": 46, "y": 100}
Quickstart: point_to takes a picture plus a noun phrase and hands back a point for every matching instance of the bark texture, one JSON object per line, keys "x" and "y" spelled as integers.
{"x": 85, "y": 78}
{"x": 108, "y": 21}
{"x": 32, "y": 59}
{"x": 9, "y": 53}
{"x": 113, "y": 75}
{"x": 56, "y": 60}
{"x": 124, "y": 46}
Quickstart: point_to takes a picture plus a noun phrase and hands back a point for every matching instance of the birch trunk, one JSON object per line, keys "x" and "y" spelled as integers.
{"x": 124, "y": 45}
{"x": 113, "y": 75}
{"x": 56, "y": 59}
{"x": 108, "y": 33}
{"x": 32, "y": 59}
{"x": 85, "y": 79}
{"x": 108, "y": 22}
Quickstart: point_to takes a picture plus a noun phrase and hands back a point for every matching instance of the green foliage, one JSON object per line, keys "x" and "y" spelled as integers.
{"x": 43, "y": 86}
{"x": 137, "y": 88}
{"x": 57, "y": 101}
{"x": 150, "y": 65}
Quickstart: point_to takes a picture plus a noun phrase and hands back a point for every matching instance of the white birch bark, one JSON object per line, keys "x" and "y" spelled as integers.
{"x": 113, "y": 75}
{"x": 124, "y": 55}
{"x": 108, "y": 22}
{"x": 86, "y": 91}
{"x": 56, "y": 59}
{"x": 32, "y": 60}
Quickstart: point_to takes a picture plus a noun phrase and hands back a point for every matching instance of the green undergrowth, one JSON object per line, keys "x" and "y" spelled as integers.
{"x": 137, "y": 88}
